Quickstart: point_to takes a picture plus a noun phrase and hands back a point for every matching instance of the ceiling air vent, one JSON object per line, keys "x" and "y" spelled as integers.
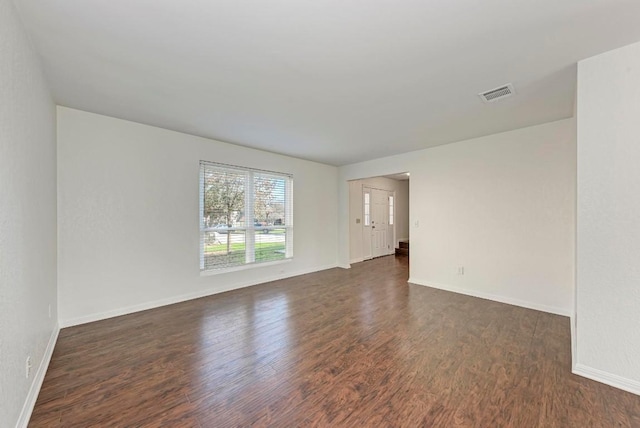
{"x": 497, "y": 93}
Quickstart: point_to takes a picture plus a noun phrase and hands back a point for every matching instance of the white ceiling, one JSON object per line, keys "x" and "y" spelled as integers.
{"x": 335, "y": 81}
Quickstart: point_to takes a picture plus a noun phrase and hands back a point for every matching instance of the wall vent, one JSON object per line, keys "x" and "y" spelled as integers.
{"x": 497, "y": 93}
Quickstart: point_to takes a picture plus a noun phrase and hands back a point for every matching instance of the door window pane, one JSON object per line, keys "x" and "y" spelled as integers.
{"x": 367, "y": 209}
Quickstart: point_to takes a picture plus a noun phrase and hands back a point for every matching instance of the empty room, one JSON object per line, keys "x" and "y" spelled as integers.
{"x": 325, "y": 214}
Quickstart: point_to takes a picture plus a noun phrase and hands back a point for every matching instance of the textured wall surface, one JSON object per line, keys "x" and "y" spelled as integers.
{"x": 501, "y": 206}
{"x": 608, "y": 215}
{"x": 27, "y": 214}
{"x": 128, "y": 215}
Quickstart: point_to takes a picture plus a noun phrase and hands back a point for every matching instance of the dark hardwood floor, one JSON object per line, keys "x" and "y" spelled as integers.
{"x": 339, "y": 348}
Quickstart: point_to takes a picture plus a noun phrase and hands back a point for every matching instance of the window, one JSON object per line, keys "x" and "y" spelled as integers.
{"x": 390, "y": 210}
{"x": 246, "y": 216}
{"x": 367, "y": 207}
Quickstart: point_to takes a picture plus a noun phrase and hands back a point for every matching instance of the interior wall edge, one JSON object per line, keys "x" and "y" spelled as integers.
{"x": 574, "y": 341}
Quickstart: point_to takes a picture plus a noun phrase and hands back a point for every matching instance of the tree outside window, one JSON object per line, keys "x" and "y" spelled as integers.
{"x": 246, "y": 216}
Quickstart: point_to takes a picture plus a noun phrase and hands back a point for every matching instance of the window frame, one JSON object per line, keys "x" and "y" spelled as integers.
{"x": 249, "y": 227}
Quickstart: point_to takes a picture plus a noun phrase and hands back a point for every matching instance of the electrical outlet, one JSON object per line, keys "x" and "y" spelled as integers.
{"x": 28, "y": 367}
{"x": 460, "y": 270}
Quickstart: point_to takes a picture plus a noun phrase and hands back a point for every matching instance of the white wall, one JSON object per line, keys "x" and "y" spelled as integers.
{"x": 27, "y": 220}
{"x": 608, "y": 217}
{"x": 402, "y": 212}
{"x": 128, "y": 216}
{"x": 401, "y": 189}
{"x": 502, "y": 206}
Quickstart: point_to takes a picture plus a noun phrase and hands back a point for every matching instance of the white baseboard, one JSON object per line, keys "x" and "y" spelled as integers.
{"x": 494, "y": 297}
{"x": 344, "y": 266}
{"x": 34, "y": 390}
{"x": 610, "y": 379}
{"x": 358, "y": 260}
{"x": 183, "y": 298}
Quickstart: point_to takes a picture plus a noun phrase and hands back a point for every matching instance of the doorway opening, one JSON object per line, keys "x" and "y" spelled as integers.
{"x": 378, "y": 216}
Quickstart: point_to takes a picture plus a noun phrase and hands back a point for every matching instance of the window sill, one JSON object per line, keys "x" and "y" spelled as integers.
{"x": 243, "y": 267}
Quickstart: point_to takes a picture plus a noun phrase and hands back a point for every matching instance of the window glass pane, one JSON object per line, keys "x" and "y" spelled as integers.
{"x": 391, "y": 210}
{"x": 224, "y": 249}
{"x": 224, "y": 198}
{"x": 270, "y": 200}
{"x": 270, "y": 245}
{"x": 367, "y": 209}
{"x": 246, "y": 216}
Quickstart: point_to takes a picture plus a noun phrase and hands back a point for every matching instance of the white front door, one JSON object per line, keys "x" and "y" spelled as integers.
{"x": 380, "y": 245}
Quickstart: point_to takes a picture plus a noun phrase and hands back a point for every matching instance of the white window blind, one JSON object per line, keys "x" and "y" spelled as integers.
{"x": 391, "y": 210}
{"x": 246, "y": 216}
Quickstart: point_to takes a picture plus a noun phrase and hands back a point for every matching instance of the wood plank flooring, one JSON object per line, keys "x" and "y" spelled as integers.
{"x": 338, "y": 348}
